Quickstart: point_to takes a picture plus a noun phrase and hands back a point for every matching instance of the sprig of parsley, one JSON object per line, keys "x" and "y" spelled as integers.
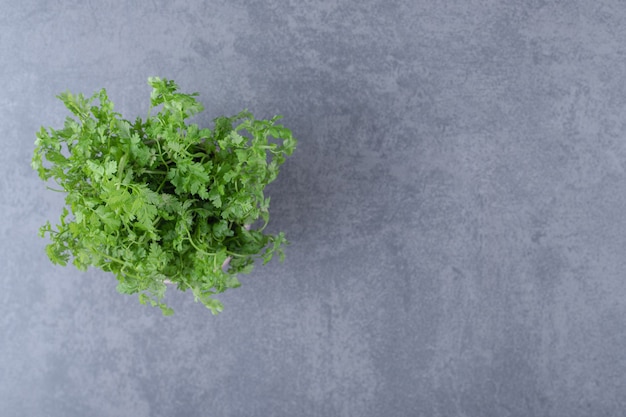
{"x": 161, "y": 200}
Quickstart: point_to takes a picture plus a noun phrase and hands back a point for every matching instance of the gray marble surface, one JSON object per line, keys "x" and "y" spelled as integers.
{"x": 456, "y": 207}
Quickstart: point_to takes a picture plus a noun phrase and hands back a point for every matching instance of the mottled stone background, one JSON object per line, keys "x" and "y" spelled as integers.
{"x": 456, "y": 207}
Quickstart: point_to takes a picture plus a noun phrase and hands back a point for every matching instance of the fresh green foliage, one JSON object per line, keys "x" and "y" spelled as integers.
{"x": 162, "y": 200}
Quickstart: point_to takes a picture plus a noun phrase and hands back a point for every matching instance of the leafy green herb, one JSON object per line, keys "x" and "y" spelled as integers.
{"x": 161, "y": 200}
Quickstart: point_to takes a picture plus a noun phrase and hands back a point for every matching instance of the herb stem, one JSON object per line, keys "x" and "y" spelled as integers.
{"x": 196, "y": 247}
{"x": 55, "y": 190}
{"x": 119, "y": 261}
{"x": 237, "y": 255}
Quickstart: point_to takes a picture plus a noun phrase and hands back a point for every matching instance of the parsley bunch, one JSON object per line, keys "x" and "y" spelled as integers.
{"x": 162, "y": 200}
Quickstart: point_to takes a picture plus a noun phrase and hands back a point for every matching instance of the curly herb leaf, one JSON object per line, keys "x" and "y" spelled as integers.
{"x": 160, "y": 200}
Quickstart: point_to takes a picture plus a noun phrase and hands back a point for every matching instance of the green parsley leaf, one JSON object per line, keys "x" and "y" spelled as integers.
{"x": 162, "y": 200}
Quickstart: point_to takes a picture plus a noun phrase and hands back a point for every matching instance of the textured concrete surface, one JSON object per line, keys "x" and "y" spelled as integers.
{"x": 456, "y": 209}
